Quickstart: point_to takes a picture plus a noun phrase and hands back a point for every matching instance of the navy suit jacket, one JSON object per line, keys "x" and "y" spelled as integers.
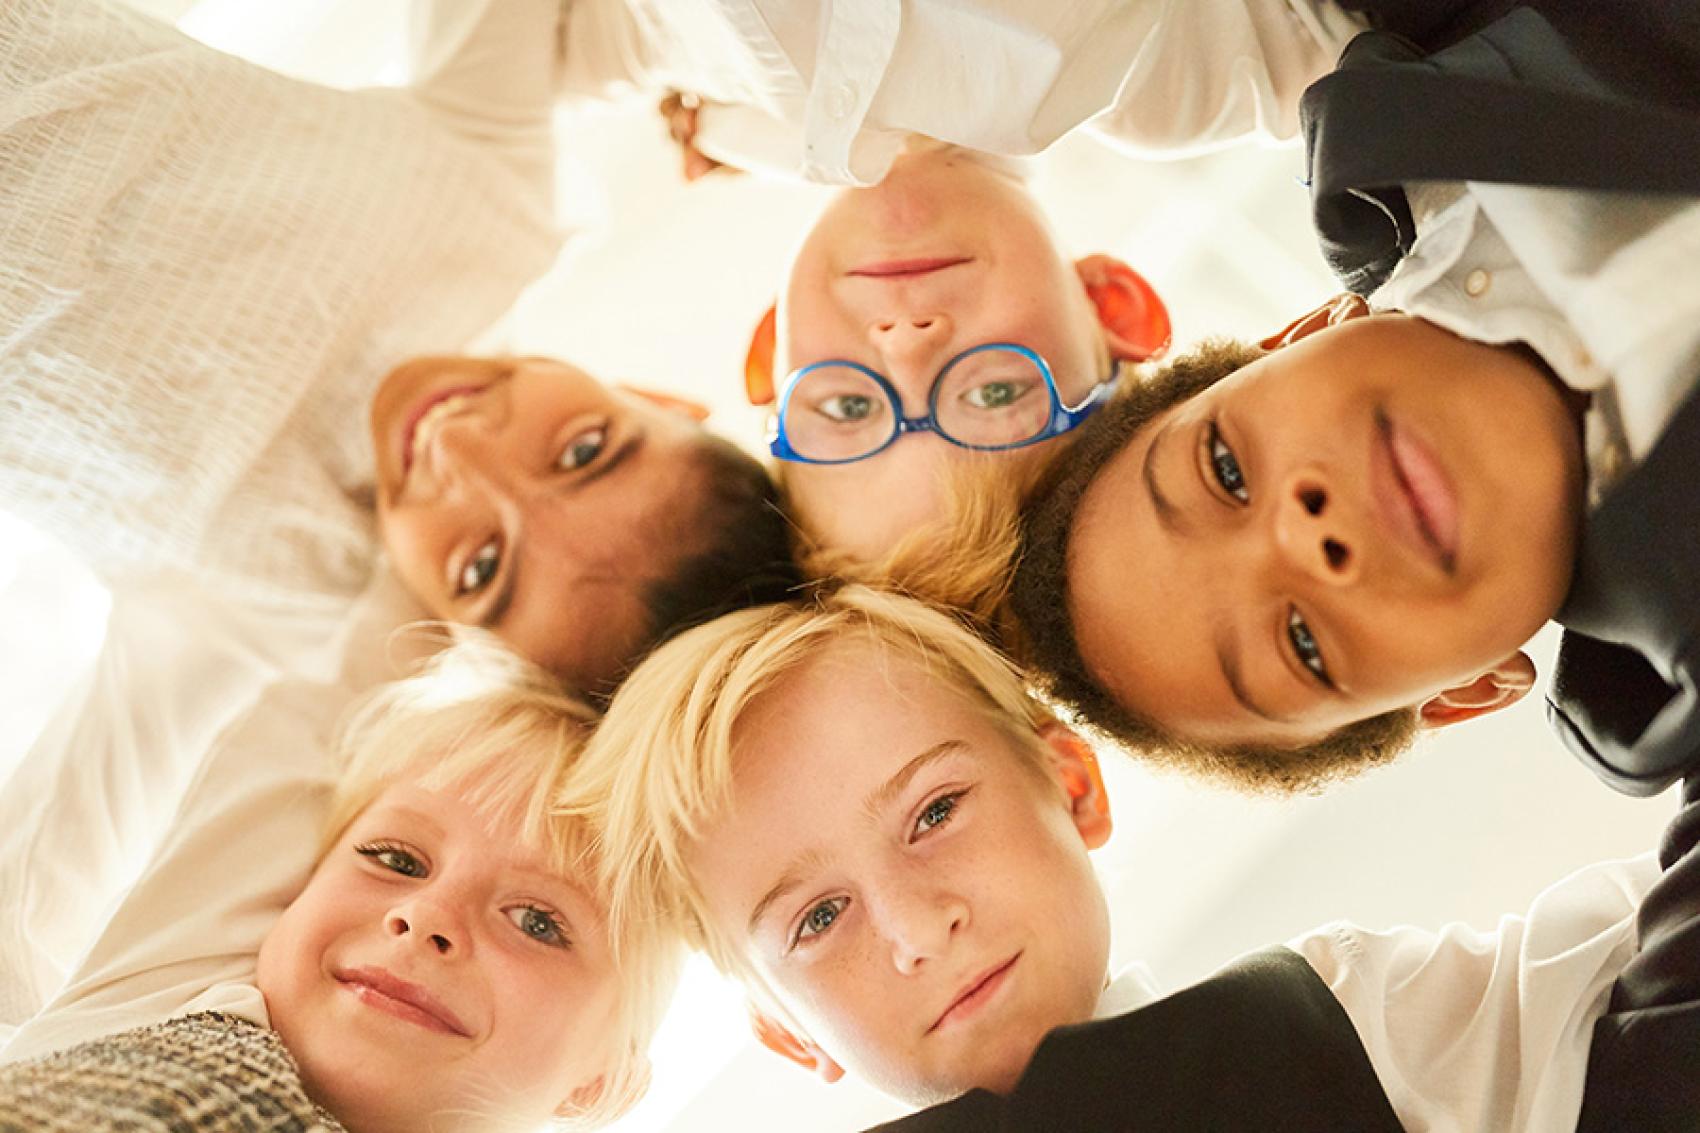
{"x": 1572, "y": 93}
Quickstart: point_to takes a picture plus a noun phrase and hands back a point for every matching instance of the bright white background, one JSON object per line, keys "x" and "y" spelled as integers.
{"x": 661, "y": 287}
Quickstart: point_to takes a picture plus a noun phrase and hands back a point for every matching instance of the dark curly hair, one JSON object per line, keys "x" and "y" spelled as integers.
{"x": 1040, "y": 628}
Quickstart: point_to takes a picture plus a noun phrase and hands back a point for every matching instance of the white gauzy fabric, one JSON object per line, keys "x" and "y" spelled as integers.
{"x": 205, "y": 268}
{"x": 1476, "y": 1030}
{"x": 831, "y": 91}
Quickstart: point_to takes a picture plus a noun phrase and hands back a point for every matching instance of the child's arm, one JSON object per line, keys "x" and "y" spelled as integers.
{"x": 1221, "y": 71}
{"x": 488, "y": 70}
{"x": 1488, "y": 1030}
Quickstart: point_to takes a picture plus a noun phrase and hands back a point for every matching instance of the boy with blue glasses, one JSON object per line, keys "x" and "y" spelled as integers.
{"x": 936, "y": 303}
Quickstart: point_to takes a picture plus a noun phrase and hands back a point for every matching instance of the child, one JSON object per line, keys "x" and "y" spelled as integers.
{"x": 445, "y": 966}
{"x": 942, "y": 294}
{"x": 1384, "y": 510}
{"x": 196, "y": 402}
{"x": 854, "y": 807}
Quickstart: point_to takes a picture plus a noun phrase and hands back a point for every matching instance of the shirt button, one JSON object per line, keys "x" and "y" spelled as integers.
{"x": 840, "y": 101}
{"x": 1476, "y": 283}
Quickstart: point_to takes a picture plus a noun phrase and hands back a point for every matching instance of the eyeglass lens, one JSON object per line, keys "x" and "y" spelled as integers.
{"x": 988, "y": 398}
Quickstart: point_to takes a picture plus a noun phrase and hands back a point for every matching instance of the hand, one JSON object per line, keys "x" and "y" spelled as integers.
{"x": 680, "y": 111}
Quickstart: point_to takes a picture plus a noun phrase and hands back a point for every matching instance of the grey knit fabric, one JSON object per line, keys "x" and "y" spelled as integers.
{"x": 205, "y": 1073}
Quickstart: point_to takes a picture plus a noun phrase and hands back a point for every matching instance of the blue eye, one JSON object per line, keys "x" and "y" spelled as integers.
{"x": 1306, "y": 649}
{"x": 397, "y": 859}
{"x": 1226, "y": 466}
{"x": 938, "y": 812}
{"x": 821, "y": 917}
{"x": 476, "y": 574}
{"x": 540, "y": 925}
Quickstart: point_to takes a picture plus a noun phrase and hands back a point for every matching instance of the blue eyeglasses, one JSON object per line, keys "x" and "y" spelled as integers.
{"x": 990, "y": 397}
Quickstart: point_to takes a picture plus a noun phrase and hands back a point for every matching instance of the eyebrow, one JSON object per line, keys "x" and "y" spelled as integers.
{"x": 1228, "y": 656}
{"x": 1167, "y": 514}
{"x": 876, "y": 801}
{"x": 498, "y": 609}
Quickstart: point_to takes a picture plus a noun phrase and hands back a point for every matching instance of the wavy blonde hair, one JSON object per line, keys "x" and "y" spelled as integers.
{"x": 660, "y": 767}
{"x": 497, "y": 732}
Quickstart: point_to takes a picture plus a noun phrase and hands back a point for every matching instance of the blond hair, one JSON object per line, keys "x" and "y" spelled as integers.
{"x": 659, "y": 769}
{"x": 497, "y": 732}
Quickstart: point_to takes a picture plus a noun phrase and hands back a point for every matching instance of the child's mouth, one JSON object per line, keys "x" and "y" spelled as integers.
{"x": 899, "y": 269}
{"x": 1425, "y": 491}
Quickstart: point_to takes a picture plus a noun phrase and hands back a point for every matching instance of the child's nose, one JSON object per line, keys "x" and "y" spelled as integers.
{"x": 910, "y": 340}
{"x": 922, "y": 927}
{"x": 1313, "y": 531}
{"x": 421, "y": 923}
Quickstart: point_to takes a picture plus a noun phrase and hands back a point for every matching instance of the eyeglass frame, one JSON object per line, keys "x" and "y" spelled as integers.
{"x": 1064, "y": 417}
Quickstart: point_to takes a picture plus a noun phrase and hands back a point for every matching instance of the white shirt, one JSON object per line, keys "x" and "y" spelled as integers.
{"x": 238, "y": 850}
{"x": 205, "y": 270}
{"x": 1472, "y": 1031}
{"x": 830, "y": 91}
{"x": 1604, "y": 286}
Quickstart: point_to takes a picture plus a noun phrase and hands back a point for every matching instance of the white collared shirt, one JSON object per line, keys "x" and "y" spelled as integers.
{"x": 1472, "y": 1030}
{"x": 830, "y": 91}
{"x": 1604, "y": 286}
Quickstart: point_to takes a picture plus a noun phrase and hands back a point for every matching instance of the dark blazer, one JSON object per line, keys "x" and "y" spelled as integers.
{"x": 1573, "y": 93}
{"x": 1261, "y": 1047}
{"x": 1264, "y": 1047}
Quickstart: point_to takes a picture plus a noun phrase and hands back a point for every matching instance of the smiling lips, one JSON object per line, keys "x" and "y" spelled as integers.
{"x": 974, "y": 995}
{"x": 906, "y": 269}
{"x": 426, "y": 415}
{"x": 1426, "y": 493}
{"x": 406, "y": 1001}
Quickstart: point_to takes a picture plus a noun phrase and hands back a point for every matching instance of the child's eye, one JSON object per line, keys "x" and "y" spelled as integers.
{"x": 821, "y": 917}
{"x": 394, "y": 857}
{"x": 997, "y": 395}
{"x": 938, "y": 812}
{"x": 477, "y": 572}
{"x": 1306, "y": 649}
{"x": 1225, "y": 466}
{"x": 847, "y": 408}
{"x": 582, "y": 449}
{"x": 540, "y": 924}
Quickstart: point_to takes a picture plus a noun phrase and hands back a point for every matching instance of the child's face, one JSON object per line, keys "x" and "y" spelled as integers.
{"x": 434, "y": 974}
{"x": 917, "y": 897}
{"x": 942, "y": 255}
{"x": 1350, "y": 525}
{"x": 525, "y": 496}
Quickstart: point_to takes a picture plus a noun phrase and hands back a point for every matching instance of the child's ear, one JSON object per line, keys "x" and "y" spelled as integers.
{"x": 775, "y": 1036}
{"x": 1133, "y": 315}
{"x": 758, "y": 360}
{"x": 672, "y": 402}
{"x": 1076, "y": 766}
{"x": 582, "y": 1098}
{"x": 1501, "y": 686}
{"x": 1337, "y": 310}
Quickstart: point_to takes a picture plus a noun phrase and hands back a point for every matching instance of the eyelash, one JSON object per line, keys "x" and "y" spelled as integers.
{"x": 1224, "y": 465}
{"x": 376, "y": 852}
{"x": 1305, "y": 647}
